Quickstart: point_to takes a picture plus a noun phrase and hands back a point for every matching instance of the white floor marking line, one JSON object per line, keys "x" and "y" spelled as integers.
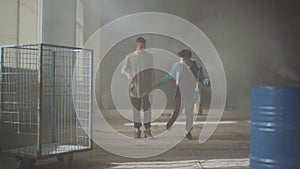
{"x": 223, "y": 163}
{"x": 189, "y": 164}
{"x": 183, "y": 123}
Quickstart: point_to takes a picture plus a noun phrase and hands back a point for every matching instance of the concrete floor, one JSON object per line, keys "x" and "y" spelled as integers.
{"x": 229, "y": 141}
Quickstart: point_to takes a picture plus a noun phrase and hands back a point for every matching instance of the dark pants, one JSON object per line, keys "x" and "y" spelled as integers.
{"x": 137, "y": 104}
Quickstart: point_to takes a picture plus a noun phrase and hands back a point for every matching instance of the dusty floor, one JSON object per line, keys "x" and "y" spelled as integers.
{"x": 229, "y": 141}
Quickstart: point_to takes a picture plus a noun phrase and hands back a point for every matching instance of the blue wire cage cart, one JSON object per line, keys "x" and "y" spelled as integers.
{"x": 45, "y": 102}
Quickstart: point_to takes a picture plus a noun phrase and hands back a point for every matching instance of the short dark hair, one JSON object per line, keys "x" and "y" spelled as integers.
{"x": 141, "y": 40}
{"x": 185, "y": 53}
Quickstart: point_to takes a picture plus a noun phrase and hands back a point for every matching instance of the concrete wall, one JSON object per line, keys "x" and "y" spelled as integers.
{"x": 256, "y": 40}
{"x": 8, "y": 20}
{"x": 28, "y": 21}
{"x": 59, "y": 22}
{"x": 18, "y": 21}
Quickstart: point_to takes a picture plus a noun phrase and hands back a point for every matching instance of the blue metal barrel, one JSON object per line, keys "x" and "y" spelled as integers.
{"x": 275, "y": 128}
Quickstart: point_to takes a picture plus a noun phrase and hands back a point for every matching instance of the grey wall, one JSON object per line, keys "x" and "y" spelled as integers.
{"x": 256, "y": 40}
{"x": 59, "y": 22}
{"x": 18, "y": 22}
{"x": 8, "y": 20}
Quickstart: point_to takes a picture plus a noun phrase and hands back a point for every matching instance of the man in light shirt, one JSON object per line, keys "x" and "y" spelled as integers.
{"x": 137, "y": 67}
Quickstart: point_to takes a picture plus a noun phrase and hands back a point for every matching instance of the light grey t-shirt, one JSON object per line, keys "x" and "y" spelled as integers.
{"x": 138, "y": 67}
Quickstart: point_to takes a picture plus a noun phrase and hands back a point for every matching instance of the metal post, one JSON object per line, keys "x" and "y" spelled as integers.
{"x": 39, "y": 99}
{"x": 53, "y": 106}
{"x": 91, "y": 97}
{"x": 1, "y": 64}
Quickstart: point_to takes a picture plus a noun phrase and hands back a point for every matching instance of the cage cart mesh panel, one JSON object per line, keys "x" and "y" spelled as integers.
{"x": 45, "y": 100}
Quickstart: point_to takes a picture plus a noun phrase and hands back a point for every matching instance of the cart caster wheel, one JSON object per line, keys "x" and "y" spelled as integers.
{"x": 65, "y": 159}
{"x": 25, "y": 163}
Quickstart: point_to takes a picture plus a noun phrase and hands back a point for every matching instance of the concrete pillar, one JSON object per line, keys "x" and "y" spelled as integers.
{"x": 8, "y": 20}
{"x": 28, "y": 17}
{"x": 58, "y": 22}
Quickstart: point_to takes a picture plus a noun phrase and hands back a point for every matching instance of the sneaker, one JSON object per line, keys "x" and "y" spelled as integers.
{"x": 148, "y": 134}
{"x": 169, "y": 124}
{"x": 200, "y": 112}
{"x": 137, "y": 133}
{"x": 189, "y": 136}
